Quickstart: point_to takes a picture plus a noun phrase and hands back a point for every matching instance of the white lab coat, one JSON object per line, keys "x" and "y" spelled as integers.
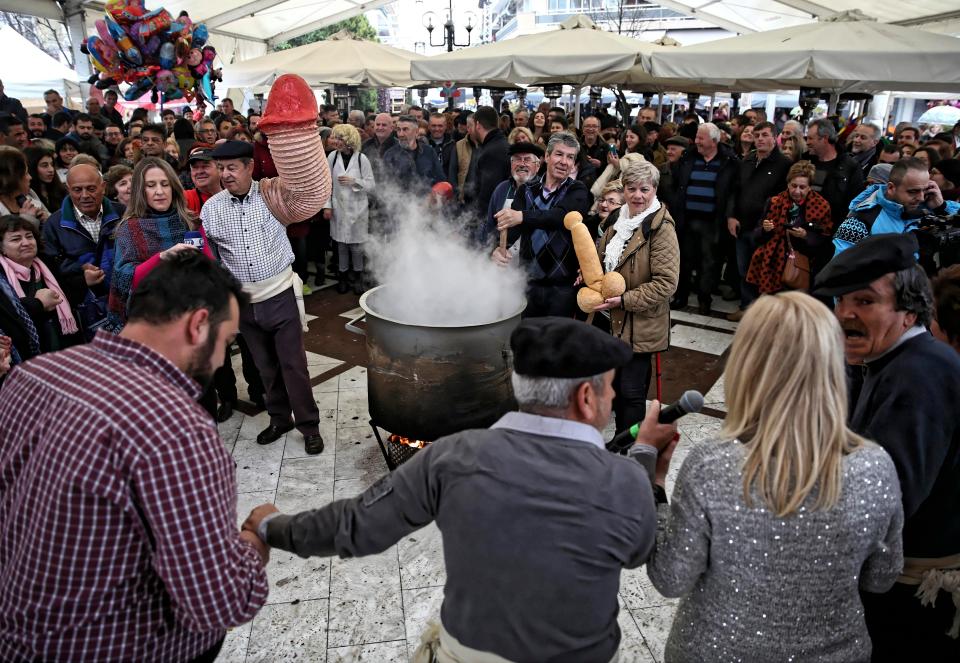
{"x": 350, "y": 223}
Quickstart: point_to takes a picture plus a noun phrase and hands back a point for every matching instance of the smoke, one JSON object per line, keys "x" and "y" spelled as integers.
{"x": 432, "y": 273}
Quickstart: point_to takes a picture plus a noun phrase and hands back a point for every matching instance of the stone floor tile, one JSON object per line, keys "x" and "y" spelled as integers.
{"x": 289, "y": 632}
{"x": 654, "y": 625}
{"x": 234, "y": 648}
{"x": 420, "y": 607}
{"x": 394, "y": 651}
{"x": 421, "y": 558}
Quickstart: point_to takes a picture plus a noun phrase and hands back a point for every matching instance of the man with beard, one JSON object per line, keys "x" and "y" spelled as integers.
{"x": 546, "y": 247}
{"x": 83, "y": 134}
{"x": 525, "y": 161}
{"x": 905, "y": 388}
{"x": 122, "y": 466}
{"x": 36, "y": 126}
{"x": 894, "y": 207}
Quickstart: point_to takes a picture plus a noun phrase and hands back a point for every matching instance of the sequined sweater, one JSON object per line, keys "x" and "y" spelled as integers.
{"x": 756, "y": 587}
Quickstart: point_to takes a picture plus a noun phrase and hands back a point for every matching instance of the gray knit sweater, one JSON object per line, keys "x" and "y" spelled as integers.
{"x": 759, "y": 588}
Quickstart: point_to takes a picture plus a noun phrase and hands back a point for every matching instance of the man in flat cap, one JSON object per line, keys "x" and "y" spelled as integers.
{"x": 525, "y": 159}
{"x": 538, "y": 519}
{"x": 904, "y": 395}
{"x": 252, "y": 243}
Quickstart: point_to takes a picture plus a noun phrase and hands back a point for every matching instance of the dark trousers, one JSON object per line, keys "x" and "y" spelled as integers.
{"x": 543, "y": 300}
{"x": 698, "y": 252}
{"x": 275, "y": 338}
{"x": 223, "y": 387}
{"x": 251, "y": 375}
{"x": 746, "y": 246}
{"x": 901, "y": 629}
{"x": 631, "y": 383}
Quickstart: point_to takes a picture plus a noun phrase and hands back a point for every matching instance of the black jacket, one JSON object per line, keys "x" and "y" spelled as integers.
{"x": 842, "y": 181}
{"x": 493, "y": 167}
{"x": 757, "y": 181}
{"x": 906, "y": 402}
{"x": 680, "y": 174}
{"x": 443, "y": 150}
{"x": 557, "y": 262}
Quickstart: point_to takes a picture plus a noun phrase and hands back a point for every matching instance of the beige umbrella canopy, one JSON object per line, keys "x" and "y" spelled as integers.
{"x": 846, "y": 52}
{"x": 577, "y": 53}
{"x": 338, "y": 60}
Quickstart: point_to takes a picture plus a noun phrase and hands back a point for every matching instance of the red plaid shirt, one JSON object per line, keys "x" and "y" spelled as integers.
{"x": 118, "y": 536}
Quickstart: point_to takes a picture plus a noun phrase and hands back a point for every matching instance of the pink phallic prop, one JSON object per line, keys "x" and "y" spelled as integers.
{"x": 290, "y": 122}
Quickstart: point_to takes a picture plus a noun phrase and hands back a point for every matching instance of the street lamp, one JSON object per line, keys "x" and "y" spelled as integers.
{"x": 449, "y": 32}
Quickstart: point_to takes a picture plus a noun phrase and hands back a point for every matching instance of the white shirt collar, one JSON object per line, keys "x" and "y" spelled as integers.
{"x": 535, "y": 424}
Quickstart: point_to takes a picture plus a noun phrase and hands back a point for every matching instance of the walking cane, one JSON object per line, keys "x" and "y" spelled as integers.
{"x": 659, "y": 379}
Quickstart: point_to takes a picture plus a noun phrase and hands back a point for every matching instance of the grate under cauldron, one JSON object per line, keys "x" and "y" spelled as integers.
{"x": 397, "y": 449}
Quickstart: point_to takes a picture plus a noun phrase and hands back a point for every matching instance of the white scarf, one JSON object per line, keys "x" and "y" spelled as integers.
{"x": 623, "y": 231}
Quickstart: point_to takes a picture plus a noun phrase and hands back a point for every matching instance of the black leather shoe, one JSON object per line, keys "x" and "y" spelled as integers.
{"x": 313, "y": 444}
{"x": 676, "y": 303}
{"x": 343, "y": 285}
{"x": 224, "y": 412}
{"x": 704, "y": 307}
{"x": 273, "y": 433}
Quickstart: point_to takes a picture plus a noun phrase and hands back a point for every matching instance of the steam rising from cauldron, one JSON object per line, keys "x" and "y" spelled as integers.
{"x": 433, "y": 274}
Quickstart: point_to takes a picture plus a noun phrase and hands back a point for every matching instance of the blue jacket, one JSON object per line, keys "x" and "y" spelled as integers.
{"x": 887, "y": 217}
{"x": 69, "y": 246}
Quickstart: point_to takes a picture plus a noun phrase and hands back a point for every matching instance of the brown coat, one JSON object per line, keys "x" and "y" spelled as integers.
{"x": 650, "y": 264}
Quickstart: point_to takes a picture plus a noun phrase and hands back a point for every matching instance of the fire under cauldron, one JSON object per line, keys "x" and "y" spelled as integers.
{"x": 427, "y": 381}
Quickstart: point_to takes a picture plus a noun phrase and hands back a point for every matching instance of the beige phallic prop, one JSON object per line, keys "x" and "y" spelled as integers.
{"x": 290, "y": 122}
{"x": 597, "y": 286}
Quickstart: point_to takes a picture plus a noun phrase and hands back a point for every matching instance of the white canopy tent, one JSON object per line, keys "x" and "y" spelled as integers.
{"x": 27, "y": 72}
{"x": 841, "y": 53}
{"x": 335, "y": 61}
{"x": 576, "y": 53}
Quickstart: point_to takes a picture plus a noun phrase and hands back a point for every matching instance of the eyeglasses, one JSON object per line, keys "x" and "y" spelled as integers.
{"x": 525, "y": 160}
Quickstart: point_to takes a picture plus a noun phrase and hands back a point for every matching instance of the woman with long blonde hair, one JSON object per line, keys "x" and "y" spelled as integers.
{"x": 775, "y": 529}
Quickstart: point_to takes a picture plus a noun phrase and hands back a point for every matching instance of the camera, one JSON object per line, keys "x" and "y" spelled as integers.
{"x": 939, "y": 241}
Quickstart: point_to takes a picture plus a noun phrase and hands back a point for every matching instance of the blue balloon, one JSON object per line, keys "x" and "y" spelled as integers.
{"x": 168, "y": 56}
{"x": 137, "y": 90}
{"x": 200, "y": 36}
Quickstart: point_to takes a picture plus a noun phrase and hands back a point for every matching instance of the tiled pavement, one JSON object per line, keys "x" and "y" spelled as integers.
{"x": 374, "y": 608}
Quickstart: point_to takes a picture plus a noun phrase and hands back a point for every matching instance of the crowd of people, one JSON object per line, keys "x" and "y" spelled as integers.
{"x": 820, "y": 526}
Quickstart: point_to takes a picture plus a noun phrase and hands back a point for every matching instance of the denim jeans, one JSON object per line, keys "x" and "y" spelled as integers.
{"x": 746, "y": 245}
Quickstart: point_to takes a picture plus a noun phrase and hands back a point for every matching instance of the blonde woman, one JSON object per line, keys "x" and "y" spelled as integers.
{"x": 520, "y": 135}
{"x": 347, "y": 208}
{"x": 775, "y": 530}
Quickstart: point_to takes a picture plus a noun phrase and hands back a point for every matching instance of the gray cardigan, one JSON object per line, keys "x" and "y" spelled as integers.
{"x": 756, "y": 587}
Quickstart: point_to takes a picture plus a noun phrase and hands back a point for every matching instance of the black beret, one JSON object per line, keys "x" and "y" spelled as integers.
{"x": 677, "y": 140}
{"x": 233, "y": 149}
{"x": 565, "y": 348}
{"x": 865, "y": 262}
{"x": 200, "y": 154}
{"x": 525, "y": 148}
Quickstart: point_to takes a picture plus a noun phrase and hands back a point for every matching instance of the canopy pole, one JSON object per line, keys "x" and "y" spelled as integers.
{"x": 660, "y": 105}
{"x": 673, "y": 108}
{"x": 576, "y": 113}
{"x": 713, "y": 103}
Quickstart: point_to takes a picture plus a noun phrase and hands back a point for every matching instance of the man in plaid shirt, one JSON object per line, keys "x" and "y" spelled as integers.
{"x": 118, "y": 536}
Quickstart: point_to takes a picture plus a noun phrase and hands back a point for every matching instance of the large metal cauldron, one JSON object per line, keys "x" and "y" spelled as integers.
{"x": 425, "y": 382}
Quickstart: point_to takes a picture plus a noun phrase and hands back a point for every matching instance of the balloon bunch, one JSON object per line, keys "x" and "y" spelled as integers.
{"x": 152, "y": 51}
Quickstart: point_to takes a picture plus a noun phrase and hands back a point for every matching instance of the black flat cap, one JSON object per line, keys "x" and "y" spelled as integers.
{"x": 565, "y": 348}
{"x": 677, "y": 140}
{"x": 200, "y": 154}
{"x": 233, "y": 149}
{"x": 526, "y": 148}
{"x": 865, "y": 262}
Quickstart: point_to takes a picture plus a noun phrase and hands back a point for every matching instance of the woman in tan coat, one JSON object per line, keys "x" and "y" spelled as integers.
{"x": 640, "y": 242}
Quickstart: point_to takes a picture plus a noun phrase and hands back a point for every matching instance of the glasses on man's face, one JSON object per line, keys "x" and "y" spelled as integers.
{"x": 523, "y": 160}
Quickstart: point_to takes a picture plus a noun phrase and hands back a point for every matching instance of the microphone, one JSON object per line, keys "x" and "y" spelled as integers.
{"x": 690, "y": 402}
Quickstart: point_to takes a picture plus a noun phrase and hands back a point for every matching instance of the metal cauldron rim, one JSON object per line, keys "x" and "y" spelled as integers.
{"x": 370, "y": 311}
